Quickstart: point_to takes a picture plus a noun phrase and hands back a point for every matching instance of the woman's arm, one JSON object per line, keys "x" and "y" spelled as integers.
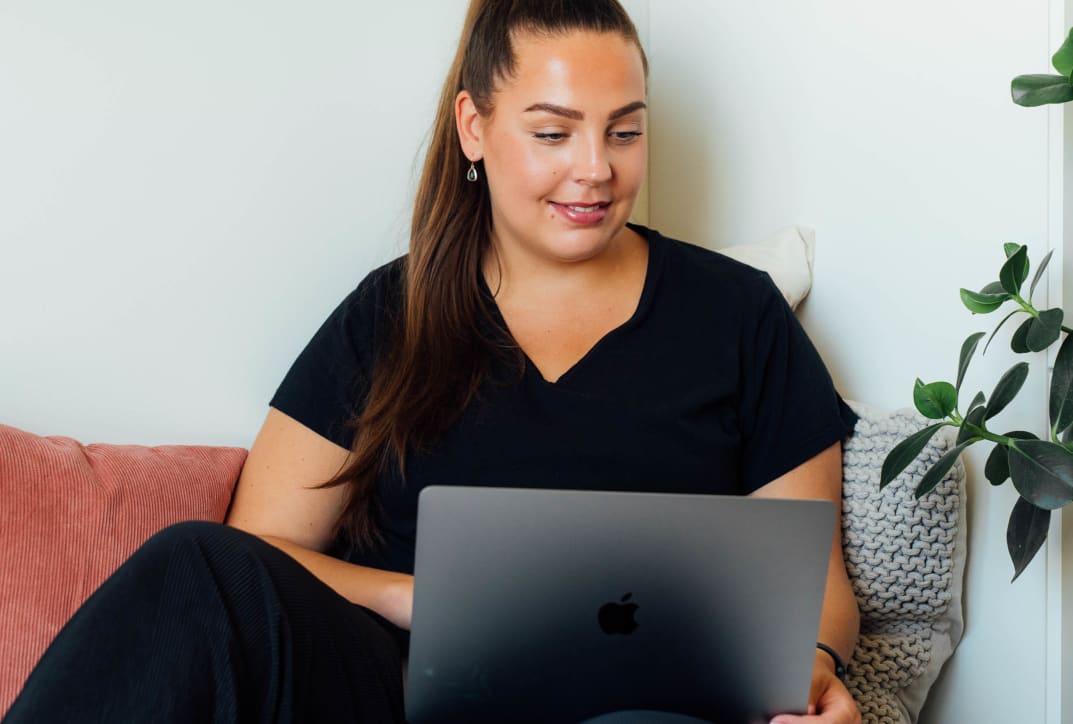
{"x": 821, "y": 478}
{"x": 275, "y": 500}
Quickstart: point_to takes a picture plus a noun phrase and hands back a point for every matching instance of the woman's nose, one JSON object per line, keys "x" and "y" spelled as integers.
{"x": 593, "y": 165}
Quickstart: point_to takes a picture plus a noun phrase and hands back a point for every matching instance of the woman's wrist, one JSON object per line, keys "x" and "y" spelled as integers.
{"x": 831, "y": 660}
{"x": 395, "y": 599}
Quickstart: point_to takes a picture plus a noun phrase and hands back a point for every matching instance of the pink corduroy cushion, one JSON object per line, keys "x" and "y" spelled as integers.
{"x": 70, "y": 514}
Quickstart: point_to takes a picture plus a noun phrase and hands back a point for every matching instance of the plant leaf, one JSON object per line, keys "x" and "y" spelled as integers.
{"x": 1039, "y": 274}
{"x": 1043, "y": 332}
{"x": 1042, "y": 472}
{"x": 968, "y": 348}
{"x": 977, "y": 401}
{"x": 1022, "y": 273}
{"x": 1007, "y": 388}
{"x": 979, "y": 303}
{"x": 935, "y": 400}
{"x": 1039, "y": 89}
{"x": 993, "y": 288}
{"x": 1014, "y": 271}
{"x": 1025, "y": 534}
{"x": 976, "y": 417}
{"x": 1062, "y": 60}
{"x": 941, "y": 468}
{"x": 1061, "y": 398}
{"x": 1010, "y": 248}
{"x": 997, "y": 468}
{"x": 1018, "y": 341}
{"x": 995, "y": 331}
{"x": 905, "y": 452}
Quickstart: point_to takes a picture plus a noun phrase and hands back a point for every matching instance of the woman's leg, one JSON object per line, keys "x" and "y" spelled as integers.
{"x": 206, "y": 623}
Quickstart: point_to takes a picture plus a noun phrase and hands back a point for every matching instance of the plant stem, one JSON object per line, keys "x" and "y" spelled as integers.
{"x": 1025, "y": 305}
{"x": 987, "y": 435}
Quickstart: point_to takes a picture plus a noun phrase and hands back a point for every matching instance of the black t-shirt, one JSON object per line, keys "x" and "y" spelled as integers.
{"x": 711, "y": 387}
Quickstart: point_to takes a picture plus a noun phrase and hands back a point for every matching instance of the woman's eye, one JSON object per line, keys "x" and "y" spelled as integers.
{"x": 626, "y": 136}
{"x": 549, "y": 137}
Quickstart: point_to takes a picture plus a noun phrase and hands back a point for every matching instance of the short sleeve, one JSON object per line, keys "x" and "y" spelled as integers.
{"x": 326, "y": 387}
{"x": 789, "y": 408}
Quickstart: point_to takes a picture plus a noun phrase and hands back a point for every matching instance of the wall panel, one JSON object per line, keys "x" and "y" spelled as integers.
{"x": 188, "y": 189}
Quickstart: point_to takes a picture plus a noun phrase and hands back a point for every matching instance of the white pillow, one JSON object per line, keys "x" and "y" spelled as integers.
{"x": 786, "y": 255}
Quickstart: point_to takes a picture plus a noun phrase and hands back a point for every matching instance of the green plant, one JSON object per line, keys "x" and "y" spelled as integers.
{"x": 1041, "y": 470}
{"x": 1040, "y": 89}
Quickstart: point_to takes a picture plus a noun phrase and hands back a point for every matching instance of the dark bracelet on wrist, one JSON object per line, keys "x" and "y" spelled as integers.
{"x": 840, "y": 665}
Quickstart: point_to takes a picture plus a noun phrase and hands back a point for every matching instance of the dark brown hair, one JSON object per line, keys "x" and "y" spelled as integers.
{"x": 439, "y": 353}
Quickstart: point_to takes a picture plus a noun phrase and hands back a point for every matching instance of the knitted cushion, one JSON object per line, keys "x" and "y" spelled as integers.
{"x": 72, "y": 513}
{"x": 906, "y": 560}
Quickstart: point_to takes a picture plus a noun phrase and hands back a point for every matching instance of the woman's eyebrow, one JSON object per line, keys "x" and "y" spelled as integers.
{"x": 626, "y": 110}
{"x": 575, "y": 115}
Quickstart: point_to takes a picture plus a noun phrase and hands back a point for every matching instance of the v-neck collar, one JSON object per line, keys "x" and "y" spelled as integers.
{"x": 652, "y": 271}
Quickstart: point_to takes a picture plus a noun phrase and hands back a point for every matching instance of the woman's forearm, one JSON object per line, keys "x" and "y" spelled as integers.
{"x": 841, "y": 618}
{"x": 387, "y": 593}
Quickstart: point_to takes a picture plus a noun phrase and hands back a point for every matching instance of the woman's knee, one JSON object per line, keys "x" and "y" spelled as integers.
{"x": 193, "y": 532}
{"x": 192, "y": 539}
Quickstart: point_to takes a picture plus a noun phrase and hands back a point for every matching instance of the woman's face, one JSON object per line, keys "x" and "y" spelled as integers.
{"x": 564, "y": 150}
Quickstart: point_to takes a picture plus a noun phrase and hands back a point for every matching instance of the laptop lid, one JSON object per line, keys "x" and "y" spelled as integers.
{"x": 565, "y": 605}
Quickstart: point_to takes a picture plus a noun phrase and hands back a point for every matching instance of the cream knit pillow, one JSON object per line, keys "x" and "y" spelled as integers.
{"x": 906, "y": 561}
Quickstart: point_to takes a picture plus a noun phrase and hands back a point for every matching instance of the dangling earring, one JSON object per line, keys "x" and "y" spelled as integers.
{"x": 472, "y": 175}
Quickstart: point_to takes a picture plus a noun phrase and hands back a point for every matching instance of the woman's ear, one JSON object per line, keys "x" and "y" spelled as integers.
{"x": 470, "y": 126}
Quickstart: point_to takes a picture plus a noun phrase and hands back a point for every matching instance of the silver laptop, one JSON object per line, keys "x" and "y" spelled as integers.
{"x": 570, "y": 606}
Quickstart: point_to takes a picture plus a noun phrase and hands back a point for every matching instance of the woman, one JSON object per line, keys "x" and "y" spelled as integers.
{"x": 530, "y": 338}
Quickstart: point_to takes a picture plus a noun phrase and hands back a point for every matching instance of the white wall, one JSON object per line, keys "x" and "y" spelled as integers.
{"x": 187, "y": 189}
{"x": 888, "y": 127}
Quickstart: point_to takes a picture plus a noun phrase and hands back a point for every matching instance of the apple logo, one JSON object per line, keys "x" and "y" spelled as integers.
{"x": 617, "y": 618}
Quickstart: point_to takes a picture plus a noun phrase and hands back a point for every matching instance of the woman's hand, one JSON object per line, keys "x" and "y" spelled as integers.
{"x": 829, "y": 701}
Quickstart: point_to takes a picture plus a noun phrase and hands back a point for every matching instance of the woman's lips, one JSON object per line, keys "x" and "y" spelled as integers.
{"x": 582, "y": 213}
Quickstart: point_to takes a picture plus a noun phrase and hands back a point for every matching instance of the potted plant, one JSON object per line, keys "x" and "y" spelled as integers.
{"x": 1040, "y": 467}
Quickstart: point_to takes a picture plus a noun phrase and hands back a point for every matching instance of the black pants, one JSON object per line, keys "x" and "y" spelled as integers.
{"x": 205, "y": 623}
